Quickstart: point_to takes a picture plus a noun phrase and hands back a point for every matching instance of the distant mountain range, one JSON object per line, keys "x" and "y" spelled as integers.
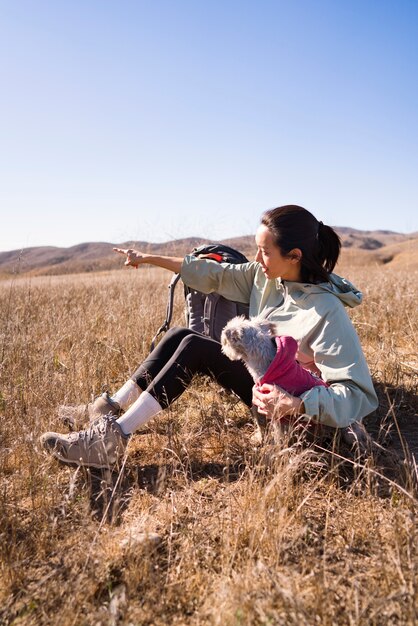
{"x": 378, "y": 246}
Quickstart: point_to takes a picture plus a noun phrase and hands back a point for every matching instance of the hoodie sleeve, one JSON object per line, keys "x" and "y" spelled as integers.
{"x": 234, "y": 282}
{"x": 337, "y": 353}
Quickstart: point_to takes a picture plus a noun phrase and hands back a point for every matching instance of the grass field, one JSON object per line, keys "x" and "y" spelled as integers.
{"x": 201, "y": 527}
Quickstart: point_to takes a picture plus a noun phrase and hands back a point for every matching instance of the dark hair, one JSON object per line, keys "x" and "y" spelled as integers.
{"x": 293, "y": 226}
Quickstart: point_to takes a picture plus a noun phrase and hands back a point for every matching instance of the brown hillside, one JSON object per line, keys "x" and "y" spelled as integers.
{"x": 369, "y": 239}
{"x": 359, "y": 248}
{"x": 403, "y": 255}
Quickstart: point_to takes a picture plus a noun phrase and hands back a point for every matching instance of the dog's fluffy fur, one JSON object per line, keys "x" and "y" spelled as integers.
{"x": 251, "y": 342}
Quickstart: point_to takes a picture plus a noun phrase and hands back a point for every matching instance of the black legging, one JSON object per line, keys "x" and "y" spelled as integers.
{"x": 182, "y": 353}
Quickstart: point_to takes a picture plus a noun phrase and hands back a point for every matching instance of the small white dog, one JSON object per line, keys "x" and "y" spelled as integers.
{"x": 250, "y": 341}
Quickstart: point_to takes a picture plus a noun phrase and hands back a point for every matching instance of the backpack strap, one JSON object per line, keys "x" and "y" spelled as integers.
{"x": 169, "y": 312}
{"x": 217, "y": 252}
{"x": 195, "y": 309}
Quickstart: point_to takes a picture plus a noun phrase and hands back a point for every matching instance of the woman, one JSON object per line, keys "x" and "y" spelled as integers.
{"x": 291, "y": 282}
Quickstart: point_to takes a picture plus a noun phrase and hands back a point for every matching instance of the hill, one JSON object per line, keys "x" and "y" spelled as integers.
{"x": 400, "y": 255}
{"x": 376, "y": 247}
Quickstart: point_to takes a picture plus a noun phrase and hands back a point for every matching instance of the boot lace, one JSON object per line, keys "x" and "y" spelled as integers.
{"x": 98, "y": 428}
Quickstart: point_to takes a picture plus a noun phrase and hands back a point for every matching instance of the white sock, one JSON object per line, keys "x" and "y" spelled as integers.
{"x": 127, "y": 394}
{"x": 139, "y": 413}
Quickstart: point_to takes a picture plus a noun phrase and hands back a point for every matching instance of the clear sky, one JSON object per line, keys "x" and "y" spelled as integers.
{"x": 158, "y": 119}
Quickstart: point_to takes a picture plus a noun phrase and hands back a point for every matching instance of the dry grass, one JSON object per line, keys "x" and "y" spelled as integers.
{"x": 201, "y": 528}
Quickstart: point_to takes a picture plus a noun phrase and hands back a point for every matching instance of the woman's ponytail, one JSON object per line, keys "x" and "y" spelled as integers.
{"x": 329, "y": 247}
{"x": 292, "y": 227}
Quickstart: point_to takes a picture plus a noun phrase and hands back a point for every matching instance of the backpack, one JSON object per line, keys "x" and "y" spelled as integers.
{"x": 209, "y": 313}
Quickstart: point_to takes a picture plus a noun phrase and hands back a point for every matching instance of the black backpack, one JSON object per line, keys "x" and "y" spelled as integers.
{"x": 209, "y": 313}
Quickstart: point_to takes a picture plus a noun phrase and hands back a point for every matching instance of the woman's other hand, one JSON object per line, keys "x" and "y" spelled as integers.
{"x": 274, "y": 402}
{"x": 133, "y": 257}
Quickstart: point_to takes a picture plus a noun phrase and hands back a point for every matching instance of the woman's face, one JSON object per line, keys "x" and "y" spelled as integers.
{"x": 273, "y": 263}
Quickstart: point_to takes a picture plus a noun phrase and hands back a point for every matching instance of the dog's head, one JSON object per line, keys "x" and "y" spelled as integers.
{"x": 242, "y": 337}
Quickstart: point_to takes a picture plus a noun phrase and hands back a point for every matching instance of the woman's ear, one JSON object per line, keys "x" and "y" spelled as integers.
{"x": 295, "y": 255}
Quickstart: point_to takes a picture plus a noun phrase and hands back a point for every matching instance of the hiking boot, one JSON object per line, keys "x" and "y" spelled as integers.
{"x": 100, "y": 446}
{"x": 103, "y": 405}
{"x": 75, "y": 416}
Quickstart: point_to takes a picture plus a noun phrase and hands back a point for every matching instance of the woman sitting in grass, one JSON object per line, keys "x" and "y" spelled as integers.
{"x": 291, "y": 281}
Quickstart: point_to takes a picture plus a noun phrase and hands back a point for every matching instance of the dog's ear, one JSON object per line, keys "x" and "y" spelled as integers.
{"x": 228, "y": 335}
{"x": 268, "y": 327}
{"x": 234, "y": 334}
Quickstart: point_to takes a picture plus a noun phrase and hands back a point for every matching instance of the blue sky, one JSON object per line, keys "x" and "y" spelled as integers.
{"x": 156, "y": 120}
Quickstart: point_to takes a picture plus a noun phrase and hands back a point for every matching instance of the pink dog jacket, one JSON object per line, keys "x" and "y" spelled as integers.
{"x": 286, "y": 372}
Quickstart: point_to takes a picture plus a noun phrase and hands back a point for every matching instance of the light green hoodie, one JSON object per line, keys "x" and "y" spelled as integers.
{"x": 315, "y": 316}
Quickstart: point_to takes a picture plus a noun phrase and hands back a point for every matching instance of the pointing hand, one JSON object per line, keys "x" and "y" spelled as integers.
{"x": 133, "y": 257}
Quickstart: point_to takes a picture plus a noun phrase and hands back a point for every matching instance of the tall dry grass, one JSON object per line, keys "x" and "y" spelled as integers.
{"x": 201, "y": 527}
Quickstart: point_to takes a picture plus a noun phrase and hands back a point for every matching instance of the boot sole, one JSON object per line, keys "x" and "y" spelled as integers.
{"x": 52, "y": 451}
{"x": 64, "y": 461}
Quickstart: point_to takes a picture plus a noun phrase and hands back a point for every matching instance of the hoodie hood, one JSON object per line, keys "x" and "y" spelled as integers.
{"x": 345, "y": 291}
{"x": 337, "y": 286}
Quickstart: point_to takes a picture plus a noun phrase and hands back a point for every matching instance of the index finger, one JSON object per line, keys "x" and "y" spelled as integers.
{"x": 120, "y": 250}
